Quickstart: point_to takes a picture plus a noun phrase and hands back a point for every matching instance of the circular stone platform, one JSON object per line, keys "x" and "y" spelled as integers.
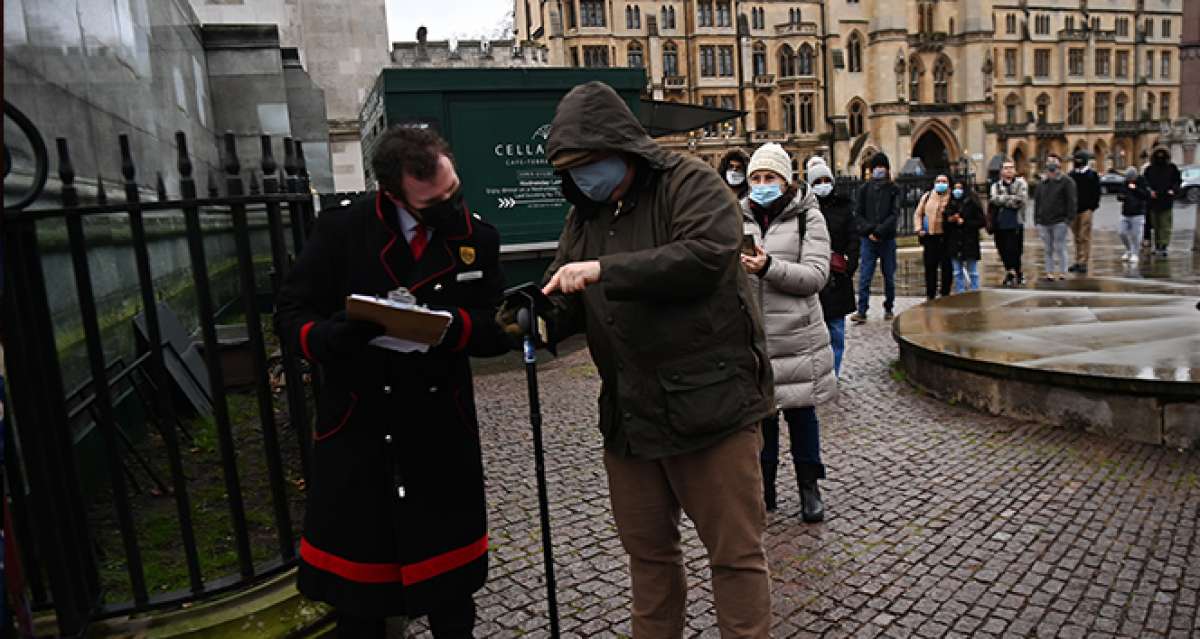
{"x": 1112, "y": 356}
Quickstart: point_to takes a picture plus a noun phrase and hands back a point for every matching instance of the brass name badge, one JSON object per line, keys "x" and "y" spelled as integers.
{"x": 466, "y": 254}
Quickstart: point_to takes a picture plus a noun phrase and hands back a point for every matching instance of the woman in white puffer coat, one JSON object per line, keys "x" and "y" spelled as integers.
{"x": 789, "y": 267}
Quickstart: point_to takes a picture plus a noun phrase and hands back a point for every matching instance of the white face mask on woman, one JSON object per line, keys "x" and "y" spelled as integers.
{"x": 823, "y": 189}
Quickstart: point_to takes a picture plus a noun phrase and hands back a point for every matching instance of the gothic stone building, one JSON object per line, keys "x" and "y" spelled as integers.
{"x": 952, "y": 82}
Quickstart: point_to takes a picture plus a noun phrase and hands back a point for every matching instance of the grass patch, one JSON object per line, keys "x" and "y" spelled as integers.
{"x": 155, "y": 515}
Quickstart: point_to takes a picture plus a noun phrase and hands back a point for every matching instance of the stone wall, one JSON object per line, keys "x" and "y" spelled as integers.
{"x": 1162, "y": 421}
{"x": 88, "y": 71}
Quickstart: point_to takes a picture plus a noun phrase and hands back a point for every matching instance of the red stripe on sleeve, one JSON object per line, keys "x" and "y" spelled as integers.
{"x": 304, "y": 341}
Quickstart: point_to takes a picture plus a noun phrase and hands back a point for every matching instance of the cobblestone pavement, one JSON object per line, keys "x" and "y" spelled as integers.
{"x": 942, "y": 521}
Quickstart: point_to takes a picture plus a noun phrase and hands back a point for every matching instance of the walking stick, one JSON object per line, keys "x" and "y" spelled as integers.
{"x": 532, "y": 299}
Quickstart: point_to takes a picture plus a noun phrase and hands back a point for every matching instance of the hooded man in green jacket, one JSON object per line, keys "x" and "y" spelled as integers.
{"x": 648, "y": 266}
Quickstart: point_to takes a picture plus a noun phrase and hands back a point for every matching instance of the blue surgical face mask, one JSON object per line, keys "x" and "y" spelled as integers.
{"x": 598, "y": 180}
{"x": 941, "y": 187}
{"x": 957, "y": 193}
{"x": 823, "y": 189}
{"x": 879, "y": 173}
{"x": 764, "y": 194}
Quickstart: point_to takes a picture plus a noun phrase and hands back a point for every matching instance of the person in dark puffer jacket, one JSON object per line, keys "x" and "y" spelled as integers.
{"x": 1164, "y": 180}
{"x": 964, "y": 218}
{"x": 837, "y": 298}
{"x": 1134, "y": 198}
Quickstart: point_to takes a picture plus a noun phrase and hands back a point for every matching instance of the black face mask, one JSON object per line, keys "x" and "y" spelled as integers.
{"x": 446, "y": 213}
{"x": 1160, "y": 158}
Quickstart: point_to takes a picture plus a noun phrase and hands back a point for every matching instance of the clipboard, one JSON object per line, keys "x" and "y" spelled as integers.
{"x": 401, "y": 321}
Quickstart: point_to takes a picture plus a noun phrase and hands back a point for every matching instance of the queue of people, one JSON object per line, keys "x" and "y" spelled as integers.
{"x": 714, "y": 307}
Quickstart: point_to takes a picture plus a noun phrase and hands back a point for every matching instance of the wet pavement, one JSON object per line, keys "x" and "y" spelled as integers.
{"x": 942, "y": 521}
{"x": 1181, "y": 265}
{"x": 1100, "y": 328}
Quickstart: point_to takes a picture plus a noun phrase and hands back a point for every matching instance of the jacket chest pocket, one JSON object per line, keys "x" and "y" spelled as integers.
{"x": 704, "y": 395}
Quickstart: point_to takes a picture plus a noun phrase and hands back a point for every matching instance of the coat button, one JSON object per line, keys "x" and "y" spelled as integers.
{"x": 628, "y": 416}
{"x": 387, "y": 390}
{"x": 433, "y": 389}
{"x": 437, "y": 287}
{"x": 387, "y": 439}
{"x": 720, "y": 364}
{"x": 674, "y": 377}
{"x": 609, "y": 319}
{"x": 612, "y": 233}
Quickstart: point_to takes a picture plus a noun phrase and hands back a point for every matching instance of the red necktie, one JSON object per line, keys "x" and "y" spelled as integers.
{"x": 419, "y": 242}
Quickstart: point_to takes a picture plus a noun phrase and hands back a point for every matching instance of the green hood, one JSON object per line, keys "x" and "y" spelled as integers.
{"x": 592, "y": 117}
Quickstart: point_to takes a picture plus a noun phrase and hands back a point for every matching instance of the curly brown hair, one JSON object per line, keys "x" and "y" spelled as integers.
{"x": 407, "y": 150}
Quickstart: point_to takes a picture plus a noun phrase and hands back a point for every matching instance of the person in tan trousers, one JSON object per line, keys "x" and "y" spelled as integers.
{"x": 648, "y": 267}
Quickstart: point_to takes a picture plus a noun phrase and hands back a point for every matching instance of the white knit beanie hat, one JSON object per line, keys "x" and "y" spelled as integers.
{"x": 817, "y": 169}
{"x": 771, "y": 157}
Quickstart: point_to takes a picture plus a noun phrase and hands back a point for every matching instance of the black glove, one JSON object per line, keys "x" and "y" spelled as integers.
{"x": 506, "y": 318}
{"x": 339, "y": 338}
{"x": 514, "y": 320}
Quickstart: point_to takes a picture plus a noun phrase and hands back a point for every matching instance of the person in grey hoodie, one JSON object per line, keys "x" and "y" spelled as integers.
{"x": 1053, "y": 209}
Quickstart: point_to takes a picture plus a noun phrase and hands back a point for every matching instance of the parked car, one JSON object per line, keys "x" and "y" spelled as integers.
{"x": 1111, "y": 181}
{"x": 1191, "y": 184}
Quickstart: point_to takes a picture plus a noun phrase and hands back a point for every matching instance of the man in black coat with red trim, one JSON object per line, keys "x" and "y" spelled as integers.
{"x": 396, "y": 519}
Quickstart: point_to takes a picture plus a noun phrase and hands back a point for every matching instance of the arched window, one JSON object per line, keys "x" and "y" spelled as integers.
{"x": 941, "y": 80}
{"x": 637, "y": 18}
{"x": 854, "y": 53}
{"x": 760, "y": 58}
{"x": 670, "y": 59}
{"x": 804, "y": 60}
{"x": 762, "y": 114}
{"x": 635, "y": 55}
{"x": 855, "y": 112}
{"x": 793, "y": 16}
{"x": 1043, "y": 108}
{"x": 629, "y": 17}
{"x": 808, "y": 122}
{"x": 1012, "y": 109}
{"x": 668, "y": 17}
{"x": 1149, "y": 106}
{"x": 915, "y": 71}
{"x": 1122, "y": 107}
{"x": 789, "y": 114}
{"x": 787, "y": 62}
{"x": 951, "y": 26}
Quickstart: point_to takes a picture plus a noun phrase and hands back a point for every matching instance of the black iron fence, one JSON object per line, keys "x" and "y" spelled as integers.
{"x": 88, "y": 552}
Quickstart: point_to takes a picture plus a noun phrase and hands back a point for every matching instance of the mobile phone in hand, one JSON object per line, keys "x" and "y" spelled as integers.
{"x": 748, "y": 245}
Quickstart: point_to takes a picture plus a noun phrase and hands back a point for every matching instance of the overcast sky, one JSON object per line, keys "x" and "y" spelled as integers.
{"x": 444, "y": 18}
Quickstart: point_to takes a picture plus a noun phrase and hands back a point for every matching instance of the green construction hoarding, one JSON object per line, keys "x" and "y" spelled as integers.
{"x": 497, "y": 122}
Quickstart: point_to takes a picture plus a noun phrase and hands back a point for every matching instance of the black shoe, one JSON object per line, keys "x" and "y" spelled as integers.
{"x": 768, "y": 474}
{"x": 1074, "y": 268}
{"x": 1010, "y": 280}
{"x": 888, "y": 316}
{"x": 858, "y": 318}
{"x": 812, "y": 509}
{"x": 1082, "y": 270}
